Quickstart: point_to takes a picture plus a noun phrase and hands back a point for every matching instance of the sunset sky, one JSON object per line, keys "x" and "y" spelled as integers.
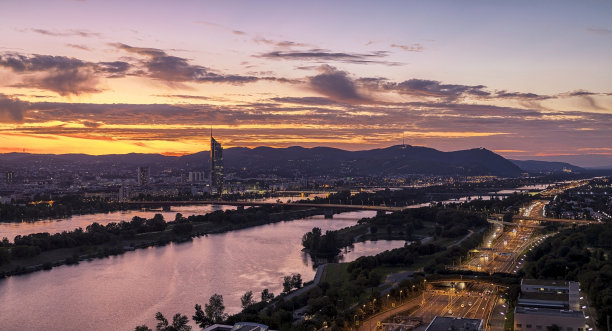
{"x": 526, "y": 79}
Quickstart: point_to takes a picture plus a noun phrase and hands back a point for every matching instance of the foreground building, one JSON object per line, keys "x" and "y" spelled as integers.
{"x": 544, "y": 303}
{"x": 447, "y": 323}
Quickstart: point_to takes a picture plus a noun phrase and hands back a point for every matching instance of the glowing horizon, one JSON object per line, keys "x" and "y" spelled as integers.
{"x": 109, "y": 77}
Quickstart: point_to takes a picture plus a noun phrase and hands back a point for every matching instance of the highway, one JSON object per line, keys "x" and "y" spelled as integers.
{"x": 500, "y": 252}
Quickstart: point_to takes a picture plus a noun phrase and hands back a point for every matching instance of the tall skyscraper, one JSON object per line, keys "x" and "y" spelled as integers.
{"x": 142, "y": 175}
{"x": 216, "y": 166}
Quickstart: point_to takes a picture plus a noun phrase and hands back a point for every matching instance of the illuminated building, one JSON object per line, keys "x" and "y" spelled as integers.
{"x": 216, "y": 166}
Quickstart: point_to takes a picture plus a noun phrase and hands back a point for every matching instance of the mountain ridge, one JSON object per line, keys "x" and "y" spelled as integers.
{"x": 297, "y": 161}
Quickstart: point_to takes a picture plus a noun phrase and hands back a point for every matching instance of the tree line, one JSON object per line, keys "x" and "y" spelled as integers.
{"x": 25, "y": 246}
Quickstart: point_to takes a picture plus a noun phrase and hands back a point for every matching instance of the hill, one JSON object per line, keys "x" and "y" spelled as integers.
{"x": 533, "y": 166}
{"x": 290, "y": 162}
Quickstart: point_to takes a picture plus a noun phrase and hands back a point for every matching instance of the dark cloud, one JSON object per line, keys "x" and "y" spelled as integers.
{"x": 91, "y": 124}
{"x": 335, "y": 84}
{"x": 305, "y": 100}
{"x": 12, "y": 109}
{"x": 182, "y": 96}
{"x": 326, "y": 55}
{"x": 282, "y": 44}
{"x": 410, "y": 48}
{"x": 519, "y": 95}
{"x": 580, "y": 93}
{"x": 60, "y": 74}
{"x": 115, "y": 68}
{"x": 432, "y": 88}
{"x": 68, "y": 33}
{"x": 173, "y": 69}
{"x": 67, "y": 82}
{"x": 450, "y": 92}
{"x": 22, "y": 63}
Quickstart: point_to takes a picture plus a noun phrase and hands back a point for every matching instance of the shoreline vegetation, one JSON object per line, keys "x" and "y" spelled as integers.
{"x": 43, "y": 251}
{"x": 44, "y": 207}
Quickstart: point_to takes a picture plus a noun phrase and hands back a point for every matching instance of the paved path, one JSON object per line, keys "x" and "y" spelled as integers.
{"x": 308, "y": 287}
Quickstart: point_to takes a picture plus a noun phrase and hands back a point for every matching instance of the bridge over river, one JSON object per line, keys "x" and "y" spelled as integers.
{"x": 261, "y": 203}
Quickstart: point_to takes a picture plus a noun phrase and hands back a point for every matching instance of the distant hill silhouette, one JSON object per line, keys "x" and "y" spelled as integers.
{"x": 293, "y": 161}
{"x": 533, "y": 166}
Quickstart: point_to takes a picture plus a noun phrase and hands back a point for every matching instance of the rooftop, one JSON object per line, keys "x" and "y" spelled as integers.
{"x": 549, "y": 312}
{"x": 544, "y": 296}
{"x": 446, "y": 323}
{"x": 544, "y": 282}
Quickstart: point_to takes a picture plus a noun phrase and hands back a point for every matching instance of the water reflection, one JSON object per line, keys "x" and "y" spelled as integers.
{"x": 121, "y": 292}
{"x": 11, "y": 229}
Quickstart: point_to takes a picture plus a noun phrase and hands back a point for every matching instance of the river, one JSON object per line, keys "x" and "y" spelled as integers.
{"x": 11, "y": 229}
{"x": 121, "y": 292}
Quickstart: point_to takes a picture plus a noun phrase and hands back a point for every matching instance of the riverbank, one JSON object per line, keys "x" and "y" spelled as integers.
{"x": 46, "y": 260}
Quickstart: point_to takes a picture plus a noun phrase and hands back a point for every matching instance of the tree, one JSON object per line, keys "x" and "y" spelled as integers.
{"x": 266, "y": 295}
{"x": 142, "y": 328}
{"x": 179, "y": 323}
{"x": 182, "y": 229}
{"x": 215, "y": 309}
{"x": 247, "y": 299}
{"x": 311, "y": 239}
{"x": 5, "y": 256}
{"x": 296, "y": 280}
{"x": 200, "y": 318}
{"x": 287, "y": 284}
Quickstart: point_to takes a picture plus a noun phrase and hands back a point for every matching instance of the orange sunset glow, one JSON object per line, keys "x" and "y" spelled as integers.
{"x": 79, "y": 85}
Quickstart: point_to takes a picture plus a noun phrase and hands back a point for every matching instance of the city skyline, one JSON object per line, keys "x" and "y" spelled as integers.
{"x": 526, "y": 80}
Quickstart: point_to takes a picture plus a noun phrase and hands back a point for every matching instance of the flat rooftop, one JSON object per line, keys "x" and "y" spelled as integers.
{"x": 446, "y": 323}
{"x": 549, "y": 312}
{"x": 545, "y": 296}
{"x": 545, "y": 282}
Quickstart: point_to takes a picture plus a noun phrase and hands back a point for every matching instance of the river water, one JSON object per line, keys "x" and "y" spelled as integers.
{"x": 11, "y": 229}
{"x": 121, "y": 292}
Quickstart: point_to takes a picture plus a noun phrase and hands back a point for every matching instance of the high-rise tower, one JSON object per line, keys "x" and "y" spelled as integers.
{"x": 216, "y": 165}
{"x": 142, "y": 175}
